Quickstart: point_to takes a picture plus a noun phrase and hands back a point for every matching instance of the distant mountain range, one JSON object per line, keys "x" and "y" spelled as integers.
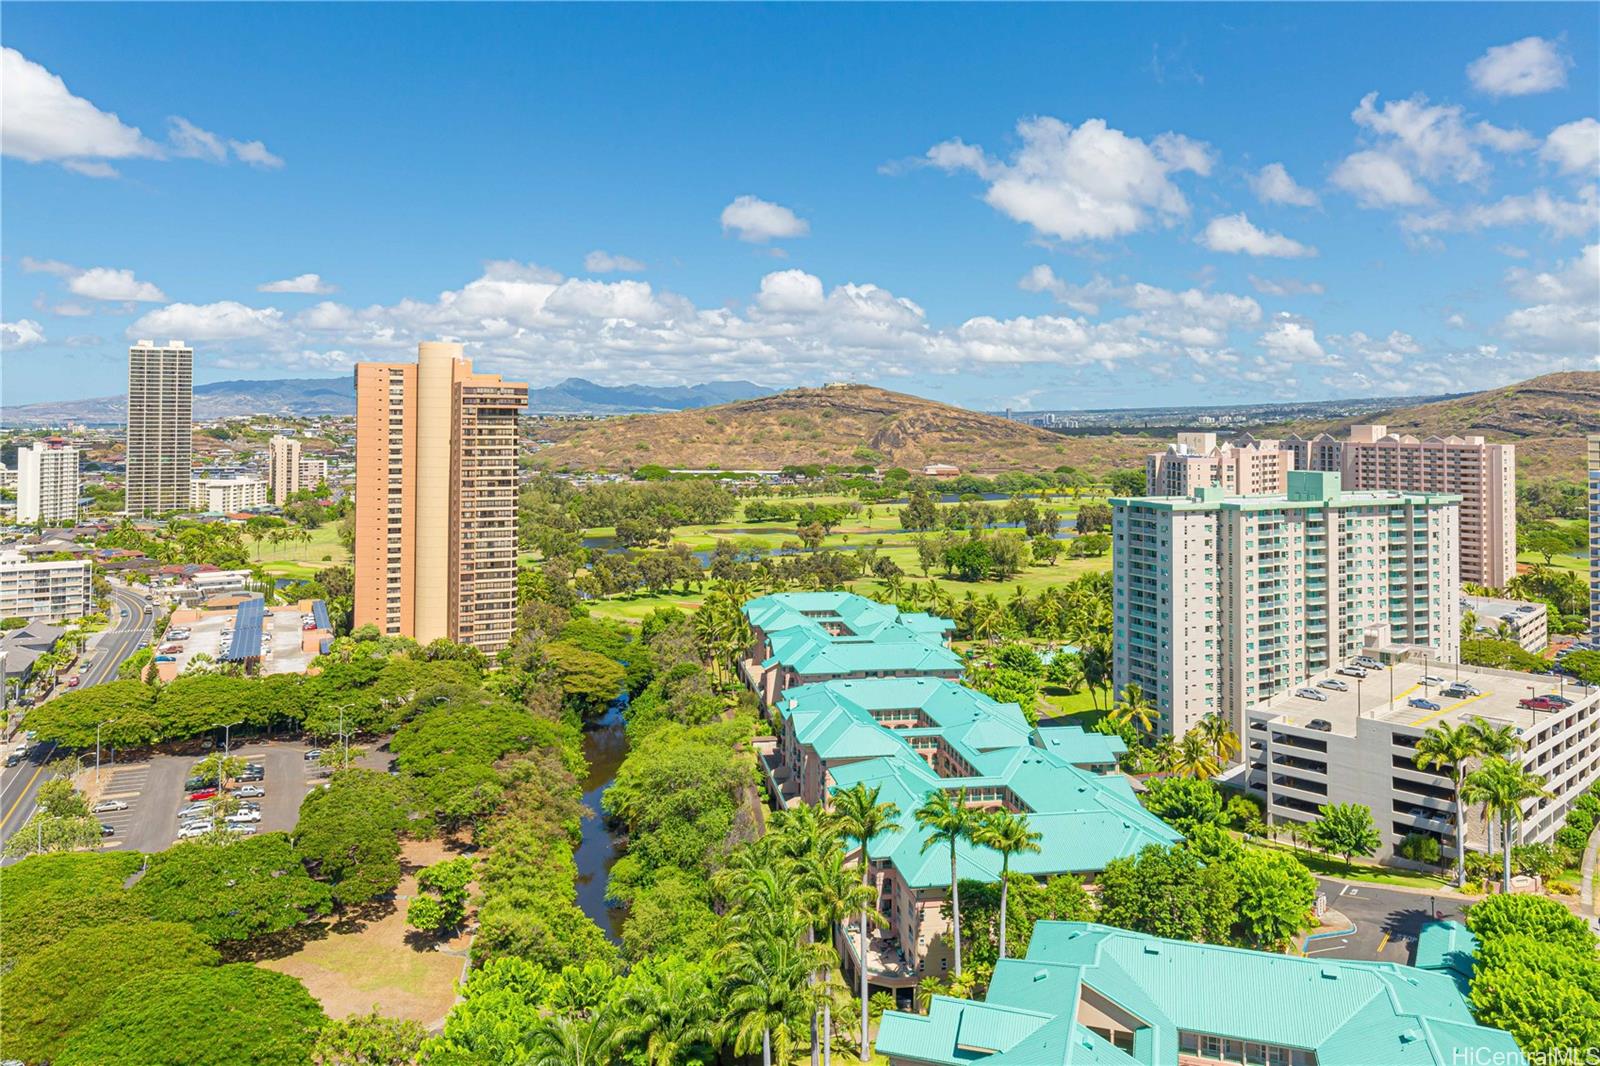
{"x": 306, "y": 397}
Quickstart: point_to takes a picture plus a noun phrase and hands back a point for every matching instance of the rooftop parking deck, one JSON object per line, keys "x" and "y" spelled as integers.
{"x": 1386, "y": 695}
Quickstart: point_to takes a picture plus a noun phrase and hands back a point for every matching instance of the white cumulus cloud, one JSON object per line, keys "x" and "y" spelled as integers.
{"x": 42, "y": 121}
{"x": 1293, "y": 341}
{"x": 1089, "y": 182}
{"x": 310, "y": 284}
{"x": 192, "y": 142}
{"x": 1377, "y": 180}
{"x": 1574, "y": 148}
{"x": 1237, "y": 234}
{"x": 1273, "y": 185}
{"x": 756, "y": 220}
{"x": 1286, "y": 286}
{"x": 223, "y": 321}
{"x": 104, "y": 283}
{"x": 1531, "y": 65}
{"x": 255, "y": 153}
{"x": 21, "y": 334}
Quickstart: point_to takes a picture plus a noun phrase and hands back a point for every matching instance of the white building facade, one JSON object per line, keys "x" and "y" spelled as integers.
{"x": 47, "y": 484}
{"x": 160, "y": 451}
{"x": 1222, "y": 601}
{"x": 227, "y": 495}
{"x": 45, "y": 591}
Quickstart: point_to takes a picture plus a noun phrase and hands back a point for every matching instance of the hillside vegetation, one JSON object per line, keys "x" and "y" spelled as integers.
{"x": 1545, "y": 417}
{"x": 847, "y": 424}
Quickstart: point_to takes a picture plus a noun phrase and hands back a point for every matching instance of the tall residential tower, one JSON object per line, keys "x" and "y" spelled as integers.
{"x": 160, "y": 417}
{"x": 47, "y": 483}
{"x": 436, "y": 496}
{"x": 1221, "y": 602}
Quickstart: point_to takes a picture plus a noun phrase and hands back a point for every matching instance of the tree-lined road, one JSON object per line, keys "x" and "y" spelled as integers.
{"x": 129, "y": 629}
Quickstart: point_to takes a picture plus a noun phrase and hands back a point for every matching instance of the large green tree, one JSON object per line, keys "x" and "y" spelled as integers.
{"x": 348, "y": 834}
{"x": 1345, "y": 829}
{"x": 232, "y": 889}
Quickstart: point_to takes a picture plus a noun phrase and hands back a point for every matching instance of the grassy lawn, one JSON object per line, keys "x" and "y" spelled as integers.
{"x": 301, "y": 561}
{"x": 1324, "y": 866}
{"x": 1558, "y": 562}
{"x": 1079, "y": 706}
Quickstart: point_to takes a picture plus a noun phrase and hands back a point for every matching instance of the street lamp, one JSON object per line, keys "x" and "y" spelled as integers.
{"x": 1358, "y": 697}
{"x": 223, "y": 761}
{"x": 108, "y": 721}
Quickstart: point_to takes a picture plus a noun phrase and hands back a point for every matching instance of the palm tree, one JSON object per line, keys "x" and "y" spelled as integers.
{"x": 671, "y": 1015}
{"x": 1006, "y": 834}
{"x": 1134, "y": 707}
{"x": 949, "y": 822}
{"x": 861, "y": 818}
{"x": 834, "y": 894}
{"x": 1215, "y": 731}
{"x": 768, "y": 969}
{"x": 1446, "y": 749}
{"x": 805, "y": 837}
{"x": 1195, "y": 758}
{"x": 564, "y": 1040}
{"x": 1164, "y": 754}
{"x": 1494, "y": 742}
{"x": 1503, "y": 786}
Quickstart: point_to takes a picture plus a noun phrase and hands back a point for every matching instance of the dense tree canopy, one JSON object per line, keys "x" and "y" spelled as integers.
{"x": 348, "y": 834}
{"x": 233, "y": 889}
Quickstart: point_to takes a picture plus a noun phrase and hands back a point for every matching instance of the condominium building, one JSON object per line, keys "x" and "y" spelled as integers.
{"x": 1323, "y": 452}
{"x": 1092, "y": 994}
{"x": 313, "y": 472}
{"x": 1355, "y": 745}
{"x": 1222, "y": 601}
{"x": 800, "y": 638}
{"x": 1243, "y": 467}
{"x": 1483, "y": 475}
{"x": 47, "y": 483}
{"x": 227, "y": 495}
{"x": 160, "y": 427}
{"x": 1594, "y": 534}
{"x": 436, "y": 495}
{"x": 283, "y": 467}
{"x": 45, "y": 591}
{"x": 1525, "y": 623}
{"x": 910, "y": 736}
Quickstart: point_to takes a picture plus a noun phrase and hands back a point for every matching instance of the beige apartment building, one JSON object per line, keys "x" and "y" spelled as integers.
{"x": 228, "y": 495}
{"x": 1221, "y": 602}
{"x": 1483, "y": 475}
{"x": 1240, "y": 468}
{"x": 160, "y": 423}
{"x": 47, "y": 483}
{"x": 283, "y": 467}
{"x": 53, "y": 591}
{"x": 435, "y": 498}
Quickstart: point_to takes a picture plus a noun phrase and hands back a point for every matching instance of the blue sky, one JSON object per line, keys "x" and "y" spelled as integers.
{"x": 1045, "y": 207}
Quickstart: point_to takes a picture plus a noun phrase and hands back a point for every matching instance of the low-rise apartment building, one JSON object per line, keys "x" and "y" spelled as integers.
{"x": 45, "y": 591}
{"x": 227, "y": 495}
{"x": 1244, "y": 467}
{"x": 803, "y": 638}
{"x": 1526, "y": 623}
{"x": 1355, "y": 745}
{"x": 1221, "y": 601}
{"x": 1097, "y": 996}
{"x": 908, "y": 737}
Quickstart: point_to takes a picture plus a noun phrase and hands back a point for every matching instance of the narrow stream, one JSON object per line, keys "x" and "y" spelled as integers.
{"x": 604, "y": 746}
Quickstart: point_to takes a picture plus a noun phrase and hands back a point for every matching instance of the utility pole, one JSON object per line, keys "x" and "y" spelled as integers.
{"x": 108, "y": 721}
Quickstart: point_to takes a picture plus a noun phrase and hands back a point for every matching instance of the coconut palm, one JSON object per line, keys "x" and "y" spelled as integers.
{"x": 1494, "y": 742}
{"x": 672, "y": 1014}
{"x": 833, "y": 893}
{"x": 1503, "y": 787}
{"x": 1195, "y": 757}
{"x": 768, "y": 968}
{"x": 566, "y": 1040}
{"x": 862, "y": 817}
{"x": 1445, "y": 748}
{"x": 1164, "y": 754}
{"x": 949, "y": 821}
{"x": 1006, "y": 834}
{"x": 1217, "y": 732}
{"x": 1134, "y": 707}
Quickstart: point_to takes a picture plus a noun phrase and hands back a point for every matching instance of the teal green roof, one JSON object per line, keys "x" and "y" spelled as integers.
{"x": 1085, "y": 819}
{"x": 1349, "y": 1013}
{"x": 1080, "y": 747}
{"x": 1448, "y": 947}
{"x": 1307, "y": 488}
{"x": 817, "y": 634}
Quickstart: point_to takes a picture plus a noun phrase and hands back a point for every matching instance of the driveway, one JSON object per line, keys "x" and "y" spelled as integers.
{"x": 1386, "y": 921}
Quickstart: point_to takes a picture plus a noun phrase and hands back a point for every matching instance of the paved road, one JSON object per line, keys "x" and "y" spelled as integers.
{"x": 130, "y": 627}
{"x": 1386, "y": 921}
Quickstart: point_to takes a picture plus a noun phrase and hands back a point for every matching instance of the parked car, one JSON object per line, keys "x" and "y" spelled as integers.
{"x": 107, "y": 830}
{"x": 1332, "y": 685}
{"x": 165, "y": 659}
{"x": 172, "y": 649}
{"x": 189, "y": 832}
{"x": 1368, "y": 661}
{"x": 314, "y": 755}
{"x": 1351, "y": 671}
{"x": 239, "y": 827}
{"x": 194, "y": 810}
{"x": 242, "y": 817}
{"x": 251, "y": 775}
{"x": 251, "y": 790}
{"x": 109, "y": 805}
{"x": 1321, "y": 724}
{"x": 198, "y": 782}
{"x": 1311, "y": 694}
{"x": 1421, "y": 704}
{"x": 72, "y": 682}
{"x": 1434, "y": 679}
{"x": 1456, "y": 692}
{"x": 1560, "y": 701}
{"x": 203, "y": 794}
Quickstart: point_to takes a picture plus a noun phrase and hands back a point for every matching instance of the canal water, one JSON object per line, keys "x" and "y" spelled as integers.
{"x": 604, "y": 746}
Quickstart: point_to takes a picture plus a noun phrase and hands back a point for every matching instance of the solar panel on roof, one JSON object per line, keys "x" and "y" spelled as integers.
{"x": 319, "y": 614}
{"x": 247, "y": 626}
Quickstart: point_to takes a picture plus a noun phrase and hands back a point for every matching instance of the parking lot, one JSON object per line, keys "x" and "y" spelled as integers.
{"x": 1386, "y": 921}
{"x": 154, "y": 792}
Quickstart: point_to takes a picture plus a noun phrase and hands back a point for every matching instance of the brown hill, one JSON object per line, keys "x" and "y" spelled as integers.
{"x": 1545, "y": 417}
{"x": 847, "y": 424}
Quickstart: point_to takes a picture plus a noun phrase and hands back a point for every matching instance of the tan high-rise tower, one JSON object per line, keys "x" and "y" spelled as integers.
{"x": 283, "y": 468}
{"x": 436, "y": 488}
{"x": 160, "y": 427}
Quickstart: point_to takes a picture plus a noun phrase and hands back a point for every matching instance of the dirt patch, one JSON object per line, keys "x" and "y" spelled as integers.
{"x": 374, "y": 959}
